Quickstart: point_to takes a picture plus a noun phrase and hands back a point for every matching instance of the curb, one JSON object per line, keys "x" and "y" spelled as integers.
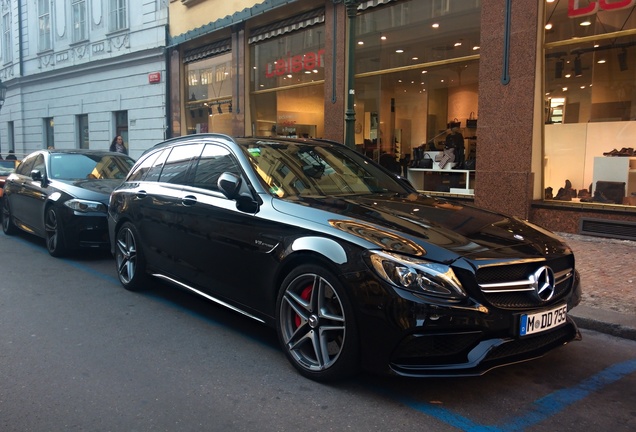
{"x": 602, "y": 321}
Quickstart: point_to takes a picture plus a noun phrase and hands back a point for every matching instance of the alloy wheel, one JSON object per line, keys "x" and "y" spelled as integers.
{"x": 312, "y": 323}
{"x": 126, "y": 255}
{"x": 53, "y": 231}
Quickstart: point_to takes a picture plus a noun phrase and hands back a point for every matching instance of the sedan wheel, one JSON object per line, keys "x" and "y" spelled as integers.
{"x": 54, "y": 233}
{"x": 131, "y": 266}
{"x": 316, "y": 326}
{"x": 7, "y": 220}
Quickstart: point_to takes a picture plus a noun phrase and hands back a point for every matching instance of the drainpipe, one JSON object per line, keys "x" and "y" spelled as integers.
{"x": 350, "y": 113}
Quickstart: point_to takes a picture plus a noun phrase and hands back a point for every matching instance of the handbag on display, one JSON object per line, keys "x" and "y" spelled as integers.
{"x": 447, "y": 156}
{"x": 426, "y": 162}
{"x": 453, "y": 123}
{"x": 471, "y": 122}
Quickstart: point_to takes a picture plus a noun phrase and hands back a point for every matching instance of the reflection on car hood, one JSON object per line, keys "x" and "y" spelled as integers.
{"x": 99, "y": 189}
{"x": 418, "y": 224}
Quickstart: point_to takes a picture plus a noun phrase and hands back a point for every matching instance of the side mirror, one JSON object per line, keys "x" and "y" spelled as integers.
{"x": 36, "y": 175}
{"x": 229, "y": 184}
{"x": 235, "y": 189}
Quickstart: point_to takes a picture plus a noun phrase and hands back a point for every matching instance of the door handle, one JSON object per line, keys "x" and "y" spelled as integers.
{"x": 189, "y": 200}
{"x": 141, "y": 194}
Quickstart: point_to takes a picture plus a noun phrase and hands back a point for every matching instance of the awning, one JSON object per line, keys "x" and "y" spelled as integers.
{"x": 372, "y": 3}
{"x": 294, "y": 23}
{"x": 206, "y": 51}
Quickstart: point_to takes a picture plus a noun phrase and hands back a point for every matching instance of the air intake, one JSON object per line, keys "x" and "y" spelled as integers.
{"x": 608, "y": 228}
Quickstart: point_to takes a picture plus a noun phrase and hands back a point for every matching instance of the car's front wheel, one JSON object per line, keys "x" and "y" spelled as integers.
{"x": 54, "y": 233}
{"x": 129, "y": 258}
{"x": 315, "y": 324}
{"x": 8, "y": 227}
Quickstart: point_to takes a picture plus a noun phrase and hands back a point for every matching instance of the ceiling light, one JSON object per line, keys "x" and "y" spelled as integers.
{"x": 435, "y": 25}
{"x": 548, "y": 26}
{"x": 476, "y": 47}
{"x": 399, "y": 51}
{"x": 360, "y": 43}
{"x": 383, "y": 37}
{"x": 586, "y": 23}
{"x": 458, "y": 44}
{"x": 601, "y": 61}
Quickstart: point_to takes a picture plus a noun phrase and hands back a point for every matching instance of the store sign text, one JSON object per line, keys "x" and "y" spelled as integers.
{"x": 294, "y": 64}
{"x": 574, "y": 11}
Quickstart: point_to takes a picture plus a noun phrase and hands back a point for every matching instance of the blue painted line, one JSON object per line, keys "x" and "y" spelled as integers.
{"x": 540, "y": 410}
{"x": 559, "y": 400}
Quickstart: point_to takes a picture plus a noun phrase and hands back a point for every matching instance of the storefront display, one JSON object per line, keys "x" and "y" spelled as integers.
{"x": 287, "y": 77}
{"x": 408, "y": 92}
{"x": 590, "y": 88}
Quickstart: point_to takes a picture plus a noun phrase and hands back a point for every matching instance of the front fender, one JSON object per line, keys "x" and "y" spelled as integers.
{"x": 328, "y": 248}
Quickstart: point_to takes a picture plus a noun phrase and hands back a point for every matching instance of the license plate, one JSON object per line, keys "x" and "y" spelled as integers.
{"x": 542, "y": 321}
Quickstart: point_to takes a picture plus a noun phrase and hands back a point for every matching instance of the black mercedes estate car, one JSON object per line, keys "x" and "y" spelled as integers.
{"x": 348, "y": 262}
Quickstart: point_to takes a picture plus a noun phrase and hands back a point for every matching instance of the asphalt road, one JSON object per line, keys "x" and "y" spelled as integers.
{"x": 79, "y": 353}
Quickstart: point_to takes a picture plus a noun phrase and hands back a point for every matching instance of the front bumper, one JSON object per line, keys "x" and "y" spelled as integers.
{"x": 405, "y": 334}
{"x": 86, "y": 230}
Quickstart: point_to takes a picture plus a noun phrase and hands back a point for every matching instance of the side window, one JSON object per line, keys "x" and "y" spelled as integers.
{"x": 26, "y": 166}
{"x": 155, "y": 170}
{"x": 175, "y": 170}
{"x": 145, "y": 166}
{"x": 214, "y": 161}
{"x": 39, "y": 164}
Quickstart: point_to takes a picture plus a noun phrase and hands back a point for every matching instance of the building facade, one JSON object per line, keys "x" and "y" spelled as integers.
{"x": 79, "y": 72}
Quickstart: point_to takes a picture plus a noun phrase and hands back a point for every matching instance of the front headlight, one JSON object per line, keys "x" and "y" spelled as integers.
{"x": 85, "y": 206}
{"x": 417, "y": 275}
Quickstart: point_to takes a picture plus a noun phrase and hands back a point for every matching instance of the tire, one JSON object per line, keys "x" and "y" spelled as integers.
{"x": 54, "y": 233}
{"x": 8, "y": 227}
{"x": 315, "y": 324}
{"x": 129, "y": 258}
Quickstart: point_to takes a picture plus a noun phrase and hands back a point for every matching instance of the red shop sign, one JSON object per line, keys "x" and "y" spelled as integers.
{"x": 294, "y": 64}
{"x": 575, "y": 11}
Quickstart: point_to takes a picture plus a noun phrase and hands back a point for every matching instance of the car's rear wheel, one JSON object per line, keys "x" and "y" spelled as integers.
{"x": 129, "y": 258}
{"x": 315, "y": 324}
{"x": 8, "y": 227}
{"x": 54, "y": 233}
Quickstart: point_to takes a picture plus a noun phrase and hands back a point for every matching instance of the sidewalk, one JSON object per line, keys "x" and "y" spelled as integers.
{"x": 608, "y": 275}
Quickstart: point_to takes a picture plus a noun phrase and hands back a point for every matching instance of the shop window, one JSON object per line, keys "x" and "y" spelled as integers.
{"x": 287, "y": 83}
{"x": 209, "y": 88}
{"x": 590, "y": 100}
{"x": 414, "y": 81}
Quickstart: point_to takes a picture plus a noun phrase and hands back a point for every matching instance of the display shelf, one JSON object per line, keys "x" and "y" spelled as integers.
{"x": 616, "y": 169}
{"x": 442, "y": 180}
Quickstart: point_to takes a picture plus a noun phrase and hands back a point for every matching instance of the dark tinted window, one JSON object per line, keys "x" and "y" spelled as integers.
{"x": 214, "y": 161}
{"x": 175, "y": 169}
{"x": 157, "y": 165}
{"x": 144, "y": 166}
{"x": 26, "y": 166}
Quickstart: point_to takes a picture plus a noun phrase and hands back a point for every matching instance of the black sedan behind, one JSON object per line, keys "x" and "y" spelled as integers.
{"x": 347, "y": 261}
{"x": 62, "y": 196}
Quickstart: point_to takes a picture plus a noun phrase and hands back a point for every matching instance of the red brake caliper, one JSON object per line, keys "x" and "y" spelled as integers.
{"x": 305, "y": 296}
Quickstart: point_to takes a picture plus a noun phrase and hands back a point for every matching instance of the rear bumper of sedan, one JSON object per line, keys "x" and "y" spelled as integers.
{"x": 403, "y": 334}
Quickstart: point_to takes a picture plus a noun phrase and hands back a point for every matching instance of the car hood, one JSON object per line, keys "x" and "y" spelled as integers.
{"x": 94, "y": 189}
{"x": 420, "y": 225}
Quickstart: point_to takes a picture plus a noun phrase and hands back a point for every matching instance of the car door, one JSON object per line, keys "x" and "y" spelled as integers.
{"x": 155, "y": 201}
{"x": 29, "y": 196}
{"x": 217, "y": 249}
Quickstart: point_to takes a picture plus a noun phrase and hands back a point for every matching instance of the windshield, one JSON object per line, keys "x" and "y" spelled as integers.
{"x": 290, "y": 169}
{"x": 7, "y": 167}
{"x": 75, "y": 166}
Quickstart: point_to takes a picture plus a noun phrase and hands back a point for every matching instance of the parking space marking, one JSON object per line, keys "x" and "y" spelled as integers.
{"x": 540, "y": 410}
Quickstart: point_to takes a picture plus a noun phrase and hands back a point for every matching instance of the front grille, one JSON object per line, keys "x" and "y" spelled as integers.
{"x": 509, "y": 286}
